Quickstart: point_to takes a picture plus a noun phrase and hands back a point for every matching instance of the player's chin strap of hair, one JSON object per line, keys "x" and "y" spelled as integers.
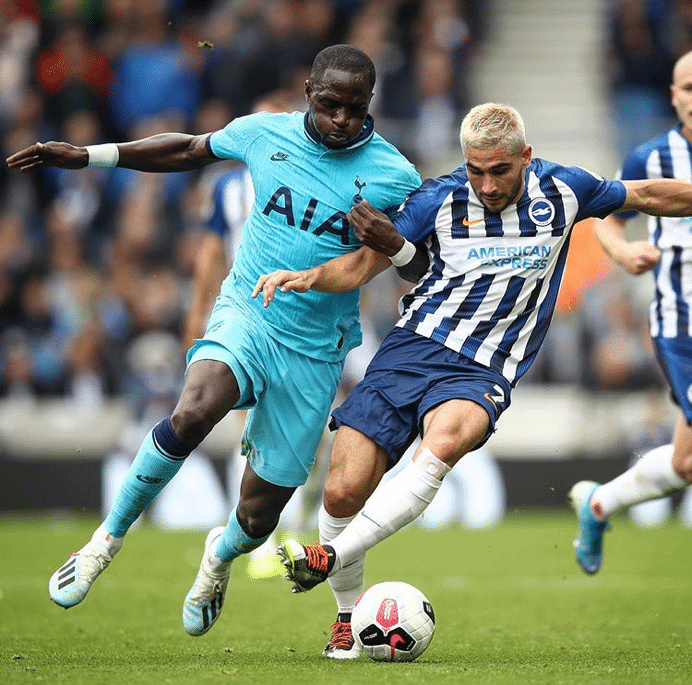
{"x": 404, "y": 255}
{"x": 104, "y": 155}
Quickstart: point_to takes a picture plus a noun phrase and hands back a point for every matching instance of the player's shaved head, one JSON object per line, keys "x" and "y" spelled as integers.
{"x": 683, "y": 67}
{"x": 681, "y": 94}
{"x": 342, "y": 58}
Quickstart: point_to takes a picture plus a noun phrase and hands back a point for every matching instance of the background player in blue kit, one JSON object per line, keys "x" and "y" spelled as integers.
{"x": 496, "y": 231}
{"x": 669, "y": 252}
{"x": 285, "y": 363}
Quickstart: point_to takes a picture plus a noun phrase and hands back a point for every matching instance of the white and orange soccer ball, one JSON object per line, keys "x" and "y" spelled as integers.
{"x": 393, "y": 621}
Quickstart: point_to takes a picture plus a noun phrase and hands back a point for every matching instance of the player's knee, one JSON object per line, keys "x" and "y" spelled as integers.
{"x": 342, "y": 500}
{"x": 257, "y": 523}
{"x": 684, "y": 469}
{"x": 191, "y": 424}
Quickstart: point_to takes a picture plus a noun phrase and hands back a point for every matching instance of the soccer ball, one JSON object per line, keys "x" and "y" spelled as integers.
{"x": 393, "y": 621}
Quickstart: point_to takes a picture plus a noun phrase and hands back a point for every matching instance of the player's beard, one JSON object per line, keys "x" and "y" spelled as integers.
{"x": 500, "y": 202}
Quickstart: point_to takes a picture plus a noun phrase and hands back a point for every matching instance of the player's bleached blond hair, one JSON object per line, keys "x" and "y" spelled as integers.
{"x": 492, "y": 125}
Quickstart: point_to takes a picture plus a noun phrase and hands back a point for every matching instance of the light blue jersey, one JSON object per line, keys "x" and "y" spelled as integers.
{"x": 303, "y": 191}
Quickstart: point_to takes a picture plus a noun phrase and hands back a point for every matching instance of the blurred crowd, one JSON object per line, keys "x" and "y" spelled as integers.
{"x": 96, "y": 265}
{"x": 645, "y": 38}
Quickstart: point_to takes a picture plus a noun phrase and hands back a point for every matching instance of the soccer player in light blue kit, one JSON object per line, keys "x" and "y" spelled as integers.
{"x": 284, "y": 363}
{"x": 230, "y": 200}
{"x": 667, "y": 468}
{"x": 495, "y": 233}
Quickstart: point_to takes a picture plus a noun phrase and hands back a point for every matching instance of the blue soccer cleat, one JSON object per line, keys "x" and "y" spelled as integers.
{"x": 589, "y": 545}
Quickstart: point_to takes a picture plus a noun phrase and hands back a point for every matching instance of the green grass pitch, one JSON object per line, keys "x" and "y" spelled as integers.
{"x": 512, "y": 607}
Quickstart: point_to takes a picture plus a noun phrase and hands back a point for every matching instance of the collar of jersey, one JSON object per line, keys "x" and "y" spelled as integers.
{"x": 363, "y": 137}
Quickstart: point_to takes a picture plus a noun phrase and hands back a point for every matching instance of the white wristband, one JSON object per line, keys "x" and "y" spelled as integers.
{"x": 404, "y": 255}
{"x": 104, "y": 155}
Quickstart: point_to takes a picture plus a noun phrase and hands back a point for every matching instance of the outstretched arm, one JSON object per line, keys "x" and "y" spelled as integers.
{"x": 637, "y": 256}
{"x": 344, "y": 273}
{"x": 162, "y": 152}
{"x": 659, "y": 197}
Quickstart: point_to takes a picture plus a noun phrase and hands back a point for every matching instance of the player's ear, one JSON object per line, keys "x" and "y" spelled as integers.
{"x": 308, "y": 89}
{"x": 526, "y": 156}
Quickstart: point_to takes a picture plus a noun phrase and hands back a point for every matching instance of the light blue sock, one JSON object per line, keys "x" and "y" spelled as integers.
{"x": 234, "y": 541}
{"x": 150, "y": 471}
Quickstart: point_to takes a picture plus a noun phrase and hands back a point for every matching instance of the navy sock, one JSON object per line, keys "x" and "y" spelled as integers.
{"x": 168, "y": 442}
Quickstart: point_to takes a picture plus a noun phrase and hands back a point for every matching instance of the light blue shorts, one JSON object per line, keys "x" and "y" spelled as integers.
{"x": 288, "y": 394}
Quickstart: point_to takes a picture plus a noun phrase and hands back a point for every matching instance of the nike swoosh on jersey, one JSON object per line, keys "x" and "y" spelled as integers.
{"x": 279, "y": 157}
{"x": 465, "y": 221}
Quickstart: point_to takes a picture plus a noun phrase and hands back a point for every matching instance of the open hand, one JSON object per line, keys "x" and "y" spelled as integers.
{"x": 298, "y": 281}
{"x": 51, "y": 154}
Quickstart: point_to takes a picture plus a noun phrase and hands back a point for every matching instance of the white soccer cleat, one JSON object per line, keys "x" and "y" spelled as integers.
{"x": 203, "y": 604}
{"x": 69, "y": 585}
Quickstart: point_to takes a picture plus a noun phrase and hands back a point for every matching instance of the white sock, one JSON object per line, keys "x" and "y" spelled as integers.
{"x": 346, "y": 583}
{"x": 650, "y": 478}
{"x": 393, "y": 505}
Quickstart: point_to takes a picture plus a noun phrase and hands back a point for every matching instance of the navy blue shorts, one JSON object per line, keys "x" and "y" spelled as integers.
{"x": 409, "y": 376}
{"x": 675, "y": 358}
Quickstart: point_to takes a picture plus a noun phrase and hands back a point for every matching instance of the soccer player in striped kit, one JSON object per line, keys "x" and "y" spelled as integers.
{"x": 667, "y": 468}
{"x": 495, "y": 232}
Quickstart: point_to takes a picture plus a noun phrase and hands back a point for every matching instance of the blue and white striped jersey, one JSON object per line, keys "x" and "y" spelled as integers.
{"x": 668, "y": 156}
{"x": 231, "y": 202}
{"x": 493, "y": 279}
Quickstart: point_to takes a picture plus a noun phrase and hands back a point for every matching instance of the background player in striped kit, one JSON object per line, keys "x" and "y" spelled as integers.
{"x": 667, "y": 468}
{"x": 496, "y": 231}
{"x": 230, "y": 201}
{"x": 283, "y": 365}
